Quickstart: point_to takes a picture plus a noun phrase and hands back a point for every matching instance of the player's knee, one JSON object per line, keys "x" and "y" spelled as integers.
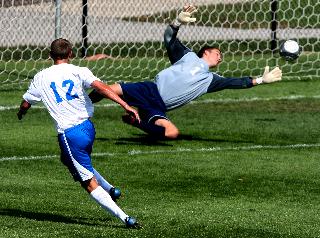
{"x": 173, "y": 133}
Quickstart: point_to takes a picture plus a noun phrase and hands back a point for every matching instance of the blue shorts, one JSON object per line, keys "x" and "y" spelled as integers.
{"x": 76, "y": 147}
{"x": 145, "y": 96}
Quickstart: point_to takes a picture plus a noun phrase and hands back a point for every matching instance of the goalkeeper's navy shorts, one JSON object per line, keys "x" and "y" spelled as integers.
{"x": 145, "y": 96}
{"x": 76, "y": 147}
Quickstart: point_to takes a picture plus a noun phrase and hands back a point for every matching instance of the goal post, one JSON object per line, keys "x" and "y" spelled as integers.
{"x": 125, "y": 37}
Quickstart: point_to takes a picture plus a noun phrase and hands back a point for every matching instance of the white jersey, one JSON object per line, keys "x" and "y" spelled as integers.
{"x": 62, "y": 89}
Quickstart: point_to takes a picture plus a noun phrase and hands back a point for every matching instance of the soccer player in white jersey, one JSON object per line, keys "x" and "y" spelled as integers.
{"x": 61, "y": 88}
{"x": 185, "y": 80}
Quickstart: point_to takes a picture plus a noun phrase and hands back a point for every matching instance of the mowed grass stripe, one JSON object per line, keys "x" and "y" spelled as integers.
{"x": 179, "y": 150}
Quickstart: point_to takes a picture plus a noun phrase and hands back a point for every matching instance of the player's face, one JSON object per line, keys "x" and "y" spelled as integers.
{"x": 214, "y": 57}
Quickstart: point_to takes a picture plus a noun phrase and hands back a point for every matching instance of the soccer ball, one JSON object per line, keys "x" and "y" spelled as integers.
{"x": 289, "y": 50}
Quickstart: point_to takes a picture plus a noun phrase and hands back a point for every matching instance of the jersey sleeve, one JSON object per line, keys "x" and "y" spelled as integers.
{"x": 219, "y": 83}
{"x": 32, "y": 95}
{"x": 175, "y": 49}
{"x": 88, "y": 77}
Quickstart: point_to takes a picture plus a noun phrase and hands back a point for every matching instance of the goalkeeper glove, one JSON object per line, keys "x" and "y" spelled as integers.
{"x": 185, "y": 16}
{"x": 270, "y": 77}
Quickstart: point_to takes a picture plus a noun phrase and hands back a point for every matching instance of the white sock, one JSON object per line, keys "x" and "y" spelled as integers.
{"x": 104, "y": 200}
{"x": 101, "y": 181}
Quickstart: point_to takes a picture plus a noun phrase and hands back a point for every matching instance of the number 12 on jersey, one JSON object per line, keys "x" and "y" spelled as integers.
{"x": 69, "y": 96}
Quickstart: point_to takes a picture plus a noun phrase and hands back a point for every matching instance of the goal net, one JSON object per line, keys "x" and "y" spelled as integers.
{"x": 124, "y": 38}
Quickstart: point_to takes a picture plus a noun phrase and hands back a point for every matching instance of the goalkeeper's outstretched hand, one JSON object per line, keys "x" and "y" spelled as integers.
{"x": 270, "y": 76}
{"x": 185, "y": 16}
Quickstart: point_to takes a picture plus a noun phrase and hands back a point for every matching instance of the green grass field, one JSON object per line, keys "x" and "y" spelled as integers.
{"x": 246, "y": 165}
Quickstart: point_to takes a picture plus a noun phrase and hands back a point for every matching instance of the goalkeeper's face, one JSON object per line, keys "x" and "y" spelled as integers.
{"x": 213, "y": 57}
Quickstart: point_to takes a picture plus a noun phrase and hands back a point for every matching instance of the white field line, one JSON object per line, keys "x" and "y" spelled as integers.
{"x": 179, "y": 150}
{"x": 222, "y": 100}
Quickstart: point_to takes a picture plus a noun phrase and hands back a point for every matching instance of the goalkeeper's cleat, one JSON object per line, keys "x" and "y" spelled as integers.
{"x": 132, "y": 223}
{"x": 115, "y": 194}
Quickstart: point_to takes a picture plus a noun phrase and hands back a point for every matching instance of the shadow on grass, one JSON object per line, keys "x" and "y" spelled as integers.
{"x": 141, "y": 139}
{"x": 187, "y": 137}
{"x": 40, "y": 216}
{"x": 144, "y": 139}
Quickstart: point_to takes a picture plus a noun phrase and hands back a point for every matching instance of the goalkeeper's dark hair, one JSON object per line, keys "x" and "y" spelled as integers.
{"x": 204, "y": 48}
{"x": 60, "y": 49}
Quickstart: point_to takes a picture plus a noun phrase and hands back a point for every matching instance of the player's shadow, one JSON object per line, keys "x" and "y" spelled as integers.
{"x": 140, "y": 139}
{"x": 143, "y": 139}
{"x": 186, "y": 137}
{"x": 41, "y": 216}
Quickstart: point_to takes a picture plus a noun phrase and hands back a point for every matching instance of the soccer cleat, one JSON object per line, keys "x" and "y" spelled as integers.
{"x": 115, "y": 194}
{"x": 131, "y": 222}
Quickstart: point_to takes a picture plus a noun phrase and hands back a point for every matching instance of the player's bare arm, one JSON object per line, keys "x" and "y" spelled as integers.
{"x": 106, "y": 91}
{"x": 96, "y": 97}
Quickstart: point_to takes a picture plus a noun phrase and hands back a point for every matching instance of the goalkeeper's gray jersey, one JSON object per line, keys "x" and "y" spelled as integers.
{"x": 189, "y": 77}
{"x": 184, "y": 81}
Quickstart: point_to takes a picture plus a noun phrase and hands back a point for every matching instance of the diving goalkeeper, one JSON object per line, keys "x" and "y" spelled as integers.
{"x": 185, "y": 80}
